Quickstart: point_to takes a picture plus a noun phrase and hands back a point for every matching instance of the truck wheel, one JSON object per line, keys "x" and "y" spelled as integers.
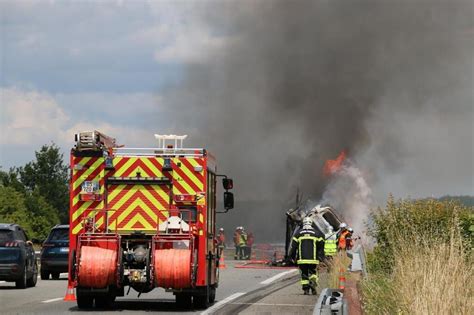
{"x": 55, "y": 275}
{"x": 31, "y": 282}
{"x": 212, "y": 295}
{"x": 106, "y": 301}
{"x": 44, "y": 274}
{"x": 21, "y": 283}
{"x": 183, "y": 300}
{"x": 201, "y": 301}
{"x": 84, "y": 300}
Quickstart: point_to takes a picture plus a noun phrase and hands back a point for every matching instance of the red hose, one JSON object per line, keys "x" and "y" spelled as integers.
{"x": 173, "y": 268}
{"x": 97, "y": 267}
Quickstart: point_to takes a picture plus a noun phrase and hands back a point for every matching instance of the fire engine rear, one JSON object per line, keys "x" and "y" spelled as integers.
{"x": 143, "y": 218}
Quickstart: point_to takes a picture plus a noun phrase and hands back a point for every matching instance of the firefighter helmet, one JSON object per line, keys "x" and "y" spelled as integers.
{"x": 343, "y": 225}
{"x": 307, "y": 221}
{"x": 350, "y": 229}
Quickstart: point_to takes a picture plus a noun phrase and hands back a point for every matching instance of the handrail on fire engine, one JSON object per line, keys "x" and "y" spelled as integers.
{"x": 158, "y": 151}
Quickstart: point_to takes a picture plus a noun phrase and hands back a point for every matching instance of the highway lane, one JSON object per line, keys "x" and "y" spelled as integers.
{"x": 46, "y": 297}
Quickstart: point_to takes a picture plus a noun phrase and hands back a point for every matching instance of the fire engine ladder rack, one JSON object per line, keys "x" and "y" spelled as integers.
{"x": 168, "y": 145}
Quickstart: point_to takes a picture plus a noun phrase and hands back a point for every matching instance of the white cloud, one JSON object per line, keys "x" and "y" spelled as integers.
{"x": 29, "y": 116}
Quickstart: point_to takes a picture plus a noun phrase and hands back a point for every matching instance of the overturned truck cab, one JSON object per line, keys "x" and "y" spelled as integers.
{"x": 325, "y": 218}
{"x": 143, "y": 218}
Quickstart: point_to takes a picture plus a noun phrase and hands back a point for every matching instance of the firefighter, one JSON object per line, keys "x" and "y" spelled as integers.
{"x": 330, "y": 245}
{"x": 349, "y": 239}
{"x": 221, "y": 239}
{"x": 243, "y": 244}
{"x": 237, "y": 242}
{"x": 250, "y": 241}
{"x": 308, "y": 247}
{"x": 341, "y": 243}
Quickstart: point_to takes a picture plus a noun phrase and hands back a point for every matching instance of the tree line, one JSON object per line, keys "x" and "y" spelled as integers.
{"x": 35, "y": 195}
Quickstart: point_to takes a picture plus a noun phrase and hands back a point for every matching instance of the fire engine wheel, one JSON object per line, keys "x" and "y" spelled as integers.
{"x": 201, "y": 301}
{"x": 183, "y": 300}
{"x": 106, "y": 301}
{"x": 83, "y": 300}
{"x": 212, "y": 295}
{"x": 44, "y": 275}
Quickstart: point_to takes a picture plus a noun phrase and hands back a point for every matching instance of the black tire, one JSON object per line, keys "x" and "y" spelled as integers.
{"x": 22, "y": 282}
{"x": 184, "y": 300}
{"x": 84, "y": 301}
{"x": 201, "y": 301}
{"x": 105, "y": 301}
{"x": 44, "y": 274}
{"x": 55, "y": 275}
{"x": 31, "y": 282}
{"x": 212, "y": 295}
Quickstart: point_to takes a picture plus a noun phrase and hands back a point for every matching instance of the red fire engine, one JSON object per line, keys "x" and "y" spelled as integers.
{"x": 143, "y": 218}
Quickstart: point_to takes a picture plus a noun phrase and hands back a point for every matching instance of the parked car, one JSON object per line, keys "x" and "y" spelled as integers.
{"x": 54, "y": 255}
{"x": 17, "y": 256}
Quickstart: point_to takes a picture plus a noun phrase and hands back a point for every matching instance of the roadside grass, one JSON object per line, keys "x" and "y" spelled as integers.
{"x": 423, "y": 261}
{"x": 339, "y": 263}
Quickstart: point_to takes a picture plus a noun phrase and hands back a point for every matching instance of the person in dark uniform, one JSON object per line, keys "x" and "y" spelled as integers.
{"x": 307, "y": 248}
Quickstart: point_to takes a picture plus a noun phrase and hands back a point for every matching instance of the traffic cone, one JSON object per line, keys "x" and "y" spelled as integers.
{"x": 222, "y": 264}
{"x": 70, "y": 296}
{"x": 342, "y": 279}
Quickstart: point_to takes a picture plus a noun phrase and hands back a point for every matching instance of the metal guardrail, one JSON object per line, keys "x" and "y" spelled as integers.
{"x": 330, "y": 302}
{"x": 358, "y": 262}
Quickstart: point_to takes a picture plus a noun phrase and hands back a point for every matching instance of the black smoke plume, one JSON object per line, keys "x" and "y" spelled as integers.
{"x": 299, "y": 81}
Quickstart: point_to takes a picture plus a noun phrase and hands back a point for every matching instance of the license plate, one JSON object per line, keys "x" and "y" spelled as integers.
{"x": 64, "y": 249}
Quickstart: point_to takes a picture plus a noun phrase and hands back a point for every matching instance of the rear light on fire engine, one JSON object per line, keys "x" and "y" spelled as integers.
{"x": 184, "y": 198}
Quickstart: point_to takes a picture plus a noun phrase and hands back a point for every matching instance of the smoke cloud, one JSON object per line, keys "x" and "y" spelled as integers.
{"x": 389, "y": 82}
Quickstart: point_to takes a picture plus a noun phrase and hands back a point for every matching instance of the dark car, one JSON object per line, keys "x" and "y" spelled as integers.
{"x": 17, "y": 257}
{"x": 54, "y": 255}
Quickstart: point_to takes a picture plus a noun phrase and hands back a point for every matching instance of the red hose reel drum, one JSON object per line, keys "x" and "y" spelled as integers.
{"x": 173, "y": 268}
{"x": 97, "y": 267}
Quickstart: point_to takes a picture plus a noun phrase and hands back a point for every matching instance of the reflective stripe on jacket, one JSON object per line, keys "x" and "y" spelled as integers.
{"x": 330, "y": 245}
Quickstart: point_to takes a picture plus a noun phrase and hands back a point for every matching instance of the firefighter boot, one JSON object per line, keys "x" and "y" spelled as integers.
{"x": 305, "y": 290}
{"x": 313, "y": 280}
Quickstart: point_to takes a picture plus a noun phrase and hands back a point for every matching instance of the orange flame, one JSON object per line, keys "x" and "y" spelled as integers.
{"x": 333, "y": 166}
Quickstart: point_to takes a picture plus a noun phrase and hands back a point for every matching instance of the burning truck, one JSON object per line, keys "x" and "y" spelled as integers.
{"x": 325, "y": 219}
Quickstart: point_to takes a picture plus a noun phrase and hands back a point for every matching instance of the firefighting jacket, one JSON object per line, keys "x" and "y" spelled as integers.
{"x": 330, "y": 245}
{"x": 308, "y": 245}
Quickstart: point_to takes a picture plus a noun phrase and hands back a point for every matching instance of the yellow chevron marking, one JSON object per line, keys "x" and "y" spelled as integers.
{"x": 186, "y": 187}
{"x": 124, "y": 199}
{"x": 132, "y": 207}
{"x": 81, "y": 210}
{"x": 191, "y": 176}
{"x": 83, "y": 162}
{"x": 138, "y": 218}
{"x": 124, "y": 168}
{"x": 114, "y": 192}
{"x": 153, "y": 168}
{"x": 201, "y": 218}
{"x": 152, "y": 199}
{"x": 86, "y": 174}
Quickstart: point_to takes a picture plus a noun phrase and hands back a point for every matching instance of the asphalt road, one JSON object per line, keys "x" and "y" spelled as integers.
{"x": 235, "y": 283}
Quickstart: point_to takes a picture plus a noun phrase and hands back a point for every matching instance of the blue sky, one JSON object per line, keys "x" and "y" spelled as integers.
{"x": 73, "y": 65}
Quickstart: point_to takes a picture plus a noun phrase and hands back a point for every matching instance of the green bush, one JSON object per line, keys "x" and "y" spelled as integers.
{"x": 423, "y": 248}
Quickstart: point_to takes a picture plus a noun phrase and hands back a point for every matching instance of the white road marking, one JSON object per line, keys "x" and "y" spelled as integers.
{"x": 220, "y": 304}
{"x": 53, "y": 300}
{"x": 277, "y": 276}
{"x": 2, "y": 281}
{"x": 272, "y": 304}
